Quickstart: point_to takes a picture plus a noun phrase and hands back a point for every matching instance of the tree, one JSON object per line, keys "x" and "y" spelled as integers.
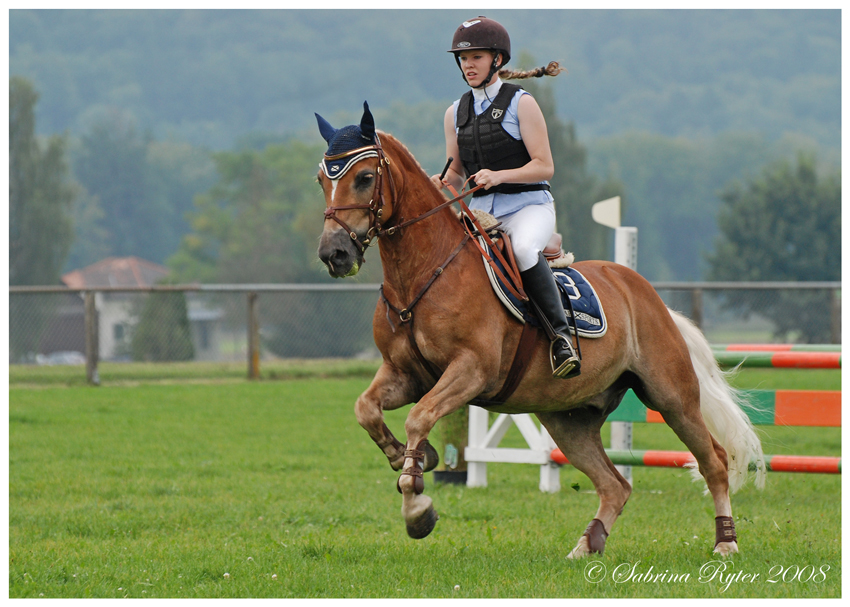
{"x": 783, "y": 225}
{"x": 258, "y": 223}
{"x": 41, "y": 195}
{"x": 40, "y": 199}
{"x": 138, "y": 191}
{"x": 163, "y": 332}
{"x": 112, "y": 165}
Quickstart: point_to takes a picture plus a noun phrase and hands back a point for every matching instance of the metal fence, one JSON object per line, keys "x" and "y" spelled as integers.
{"x": 56, "y": 325}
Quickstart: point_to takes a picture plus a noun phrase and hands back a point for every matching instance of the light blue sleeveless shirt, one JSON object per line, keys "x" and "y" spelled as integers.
{"x": 498, "y": 204}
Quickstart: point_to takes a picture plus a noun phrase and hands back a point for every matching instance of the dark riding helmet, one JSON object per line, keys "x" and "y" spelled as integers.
{"x": 482, "y": 33}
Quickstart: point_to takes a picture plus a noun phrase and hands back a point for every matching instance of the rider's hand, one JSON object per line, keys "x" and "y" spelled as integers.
{"x": 439, "y": 183}
{"x": 488, "y": 178}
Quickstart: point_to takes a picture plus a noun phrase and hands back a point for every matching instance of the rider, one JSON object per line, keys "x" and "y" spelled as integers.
{"x": 504, "y": 145}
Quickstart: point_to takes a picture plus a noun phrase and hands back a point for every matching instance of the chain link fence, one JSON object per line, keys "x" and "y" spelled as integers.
{"x": 48, "y": 325}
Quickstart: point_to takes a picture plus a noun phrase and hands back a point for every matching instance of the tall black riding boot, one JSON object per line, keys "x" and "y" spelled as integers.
{"x": 539, "y": 284}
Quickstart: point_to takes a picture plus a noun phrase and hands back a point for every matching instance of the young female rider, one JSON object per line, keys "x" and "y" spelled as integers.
{"x": 496, "y": 134}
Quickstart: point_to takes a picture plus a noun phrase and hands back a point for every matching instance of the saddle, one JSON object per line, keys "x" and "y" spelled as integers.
{"x": 582, "y": 306}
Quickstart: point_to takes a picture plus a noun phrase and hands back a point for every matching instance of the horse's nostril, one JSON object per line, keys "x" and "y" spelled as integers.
{"x": 338, "y": 258}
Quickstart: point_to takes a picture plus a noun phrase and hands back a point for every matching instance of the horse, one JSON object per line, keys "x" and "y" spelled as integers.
{"x": 446, "y": 340}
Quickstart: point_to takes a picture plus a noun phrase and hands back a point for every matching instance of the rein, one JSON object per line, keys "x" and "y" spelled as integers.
{"x": 375, "y": 230}
{"x": 376, "y": 204}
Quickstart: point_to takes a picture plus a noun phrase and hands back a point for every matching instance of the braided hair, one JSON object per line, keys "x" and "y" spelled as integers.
{"x": 552, "y": 69}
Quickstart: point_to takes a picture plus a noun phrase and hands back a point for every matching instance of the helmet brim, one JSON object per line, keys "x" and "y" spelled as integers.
{"x": 505, "y": 55}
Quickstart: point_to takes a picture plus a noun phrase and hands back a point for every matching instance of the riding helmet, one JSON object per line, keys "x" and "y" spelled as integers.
{"x": 482, "y": 33}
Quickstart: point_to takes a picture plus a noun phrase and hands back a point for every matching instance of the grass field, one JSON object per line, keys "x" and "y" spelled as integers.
{"x": 166, "y": 487}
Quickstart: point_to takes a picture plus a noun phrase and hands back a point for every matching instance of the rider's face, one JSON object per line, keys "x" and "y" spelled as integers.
{"x": 476, "y": 66}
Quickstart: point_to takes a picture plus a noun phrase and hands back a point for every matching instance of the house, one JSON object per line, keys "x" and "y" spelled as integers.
{"x": 118, "y": 312}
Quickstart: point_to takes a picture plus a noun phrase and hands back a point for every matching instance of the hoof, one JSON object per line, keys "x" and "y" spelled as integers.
{"x": 581, "y": 549}
{"x": 424, "y": 525}
{"x": 432, "y": 458}
{"x": 396, "y": 462}
{"x": 726, "y": 548}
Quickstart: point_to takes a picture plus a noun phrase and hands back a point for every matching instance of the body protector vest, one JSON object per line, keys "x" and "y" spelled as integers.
{"x": 485, "y": 144}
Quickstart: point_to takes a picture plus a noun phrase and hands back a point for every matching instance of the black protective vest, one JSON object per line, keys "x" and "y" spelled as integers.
{"x": 485, "y": 144}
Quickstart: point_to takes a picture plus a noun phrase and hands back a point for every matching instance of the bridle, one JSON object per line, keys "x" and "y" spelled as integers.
{"x": 376, "y": 229}
{"x": 375, "y": 205}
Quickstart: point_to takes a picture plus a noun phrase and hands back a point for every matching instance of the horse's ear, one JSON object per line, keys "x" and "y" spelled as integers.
{"x": 325, "y": 128}
{"x": 367, "y": 123}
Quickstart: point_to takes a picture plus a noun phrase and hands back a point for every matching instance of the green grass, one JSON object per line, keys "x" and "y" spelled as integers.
{"x": 113, "y": 373}
{"x": 157, "y": 489}
{"x": 787, "y": 379}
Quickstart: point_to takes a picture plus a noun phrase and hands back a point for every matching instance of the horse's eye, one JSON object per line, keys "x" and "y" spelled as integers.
{"x": 363, "y": 180}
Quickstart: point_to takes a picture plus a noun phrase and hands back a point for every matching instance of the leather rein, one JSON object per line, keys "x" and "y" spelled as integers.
{"x": 376, "y": 229}
{"x": 376, "y": 204}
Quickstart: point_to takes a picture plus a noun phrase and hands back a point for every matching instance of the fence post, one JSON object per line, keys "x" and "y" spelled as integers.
{"x": 92, "y": 337}
{"x": 696, "y": 307}
{"x": 253, "y": 337}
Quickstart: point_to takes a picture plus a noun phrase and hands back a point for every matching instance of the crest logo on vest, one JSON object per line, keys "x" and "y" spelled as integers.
{"x": 496, "y": 113}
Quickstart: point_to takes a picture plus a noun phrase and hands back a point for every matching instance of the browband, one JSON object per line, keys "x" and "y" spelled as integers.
{"x": 337, "y": 165}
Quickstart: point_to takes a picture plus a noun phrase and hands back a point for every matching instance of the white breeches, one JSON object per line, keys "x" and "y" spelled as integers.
{"x": 530, "y": 229}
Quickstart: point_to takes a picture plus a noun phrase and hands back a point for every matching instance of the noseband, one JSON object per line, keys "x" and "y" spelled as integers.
{"x": 375, "y": 205}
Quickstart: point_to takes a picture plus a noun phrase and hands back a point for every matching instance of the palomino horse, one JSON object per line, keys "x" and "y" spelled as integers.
{"x": 446, "y": 340}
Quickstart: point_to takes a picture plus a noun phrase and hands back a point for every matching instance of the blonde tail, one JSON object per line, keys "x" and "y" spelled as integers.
{"x": 720, "y": 405}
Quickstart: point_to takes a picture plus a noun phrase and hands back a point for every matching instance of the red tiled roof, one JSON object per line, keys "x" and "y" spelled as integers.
{"x": 117, "y": 272}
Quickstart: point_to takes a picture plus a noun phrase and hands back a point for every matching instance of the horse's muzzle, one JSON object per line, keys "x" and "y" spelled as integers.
{"x": 340, "y": 254}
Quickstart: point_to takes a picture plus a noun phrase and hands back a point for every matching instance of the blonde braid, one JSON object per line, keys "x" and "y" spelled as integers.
{"x": 553, "y": 69}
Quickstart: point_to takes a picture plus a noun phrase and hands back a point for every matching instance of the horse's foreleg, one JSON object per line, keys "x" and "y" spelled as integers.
{"x": 576, "y": 433}
{"x": 458, "y": 385}
{"x": 390, "y": 389}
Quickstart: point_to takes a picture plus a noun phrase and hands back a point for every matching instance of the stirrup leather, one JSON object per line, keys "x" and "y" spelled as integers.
{"x": 565, "y": 368}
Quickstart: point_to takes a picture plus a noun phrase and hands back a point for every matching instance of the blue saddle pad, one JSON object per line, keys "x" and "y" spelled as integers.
{"x": 589, "y": 315}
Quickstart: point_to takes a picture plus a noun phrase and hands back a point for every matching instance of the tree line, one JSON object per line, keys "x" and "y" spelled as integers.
{"x": 209, "y": 76}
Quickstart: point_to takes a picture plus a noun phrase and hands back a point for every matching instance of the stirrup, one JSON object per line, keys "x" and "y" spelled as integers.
{"x": 570, "y": 367}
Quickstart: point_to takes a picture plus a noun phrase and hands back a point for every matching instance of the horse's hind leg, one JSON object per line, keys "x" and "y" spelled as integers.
{"x": 576, "y": 433}
{"x": 677, "y": 397}
{"x": 389, "y": 390}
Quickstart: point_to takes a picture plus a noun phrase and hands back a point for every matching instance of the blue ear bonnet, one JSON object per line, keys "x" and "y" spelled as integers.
{"x": 345, "y": 140}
